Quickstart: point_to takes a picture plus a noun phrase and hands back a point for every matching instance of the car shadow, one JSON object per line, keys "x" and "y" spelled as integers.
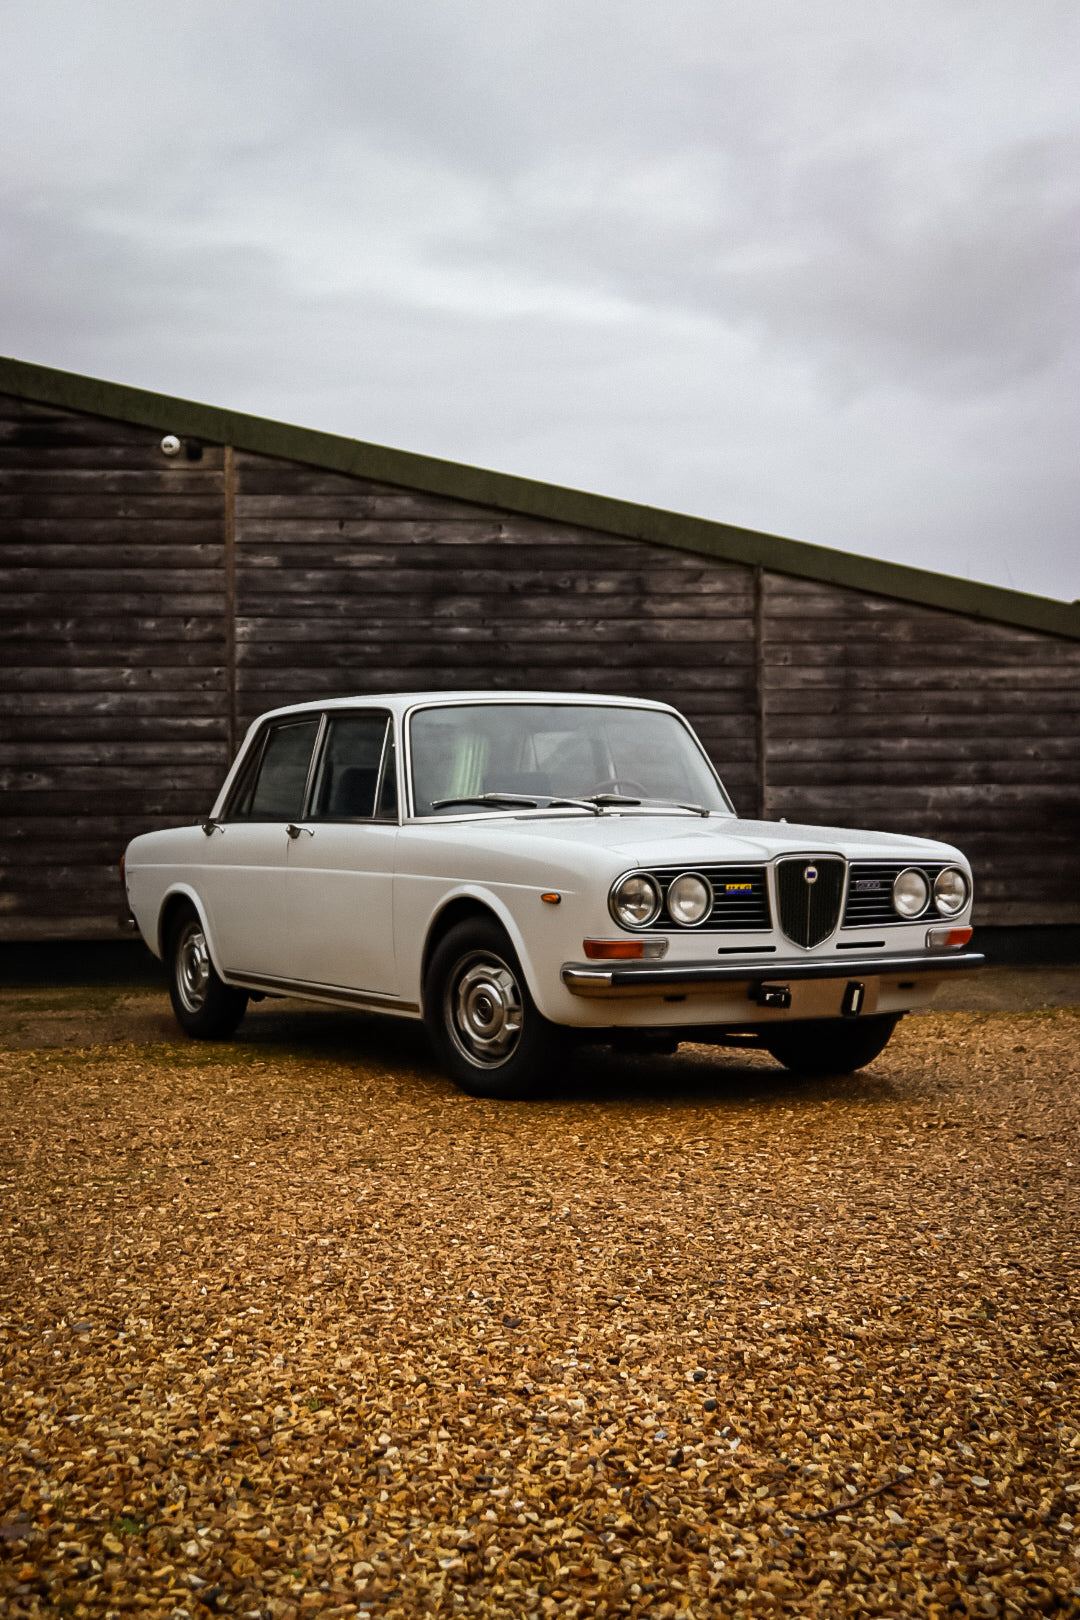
{"x": 306, "y": 1030}
{"x": 693, "y": 1076}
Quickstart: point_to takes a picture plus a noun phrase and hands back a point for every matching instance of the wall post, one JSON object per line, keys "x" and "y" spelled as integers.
{"x": 760, "y": 711}
{"x": 230, "y": 601}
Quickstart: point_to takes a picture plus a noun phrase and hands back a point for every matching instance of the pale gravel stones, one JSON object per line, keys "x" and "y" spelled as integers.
{"x": 296, "y": 1332}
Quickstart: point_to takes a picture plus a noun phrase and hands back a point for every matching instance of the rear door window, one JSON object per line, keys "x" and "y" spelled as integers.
{"x": 275, "y": 787}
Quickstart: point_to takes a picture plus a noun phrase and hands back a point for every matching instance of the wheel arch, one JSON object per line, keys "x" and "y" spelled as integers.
{"x": 177, "y": 900}
{"x": 460, "y": 908}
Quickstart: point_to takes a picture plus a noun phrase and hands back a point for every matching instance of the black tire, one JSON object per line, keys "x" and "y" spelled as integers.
{"x": 487, "y": 1033}
{"x": 206, "y": 1008}
{"x": 829, "y": 1045}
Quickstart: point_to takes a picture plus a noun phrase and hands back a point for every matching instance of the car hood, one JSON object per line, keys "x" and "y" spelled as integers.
{"x": 682, "y": 840}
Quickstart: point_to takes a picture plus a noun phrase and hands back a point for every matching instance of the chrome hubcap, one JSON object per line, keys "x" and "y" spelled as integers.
{"x": 192, "y": 967}
{"x": 484, "y": 1010}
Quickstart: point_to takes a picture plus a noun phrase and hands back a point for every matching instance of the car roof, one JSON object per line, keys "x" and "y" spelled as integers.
{"x": 401, "y": 702}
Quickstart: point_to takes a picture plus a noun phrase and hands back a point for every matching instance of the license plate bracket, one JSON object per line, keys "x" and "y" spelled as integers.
{"x": 854, "y": 997}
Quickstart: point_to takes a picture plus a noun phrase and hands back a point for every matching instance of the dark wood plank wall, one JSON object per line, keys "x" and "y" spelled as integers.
{"x": 112, "y": 658}
{"x": 123, "y": 672}
{"x": 884, "y": 714}
{"x": 348, "y": 586}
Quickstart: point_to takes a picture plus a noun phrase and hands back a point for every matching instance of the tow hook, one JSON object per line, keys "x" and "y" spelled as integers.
{"x": 770, "y": 995}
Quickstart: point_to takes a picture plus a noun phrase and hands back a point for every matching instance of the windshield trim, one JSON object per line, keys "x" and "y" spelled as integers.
{"x": 647, "y": 706}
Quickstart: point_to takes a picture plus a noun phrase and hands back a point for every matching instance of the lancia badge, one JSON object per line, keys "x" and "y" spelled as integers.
{"x": 810, "y": 874}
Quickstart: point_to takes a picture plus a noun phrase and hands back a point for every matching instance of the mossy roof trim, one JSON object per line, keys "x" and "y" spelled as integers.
{"x": 723, "y": 542}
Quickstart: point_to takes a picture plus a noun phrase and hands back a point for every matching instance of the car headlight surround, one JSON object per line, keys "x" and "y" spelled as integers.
{"x": 635, "y": 900}
{"x": 951, "y": 891}
{"x": 910, "y": 893}
{"x": 689, "y": 899}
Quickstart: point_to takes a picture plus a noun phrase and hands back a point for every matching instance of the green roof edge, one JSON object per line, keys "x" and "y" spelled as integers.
{"x": 702, "y": 536}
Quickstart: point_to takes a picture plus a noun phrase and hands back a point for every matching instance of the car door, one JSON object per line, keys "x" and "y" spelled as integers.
{"x": 341, "y": 860}
{"x": 245, "y": 890}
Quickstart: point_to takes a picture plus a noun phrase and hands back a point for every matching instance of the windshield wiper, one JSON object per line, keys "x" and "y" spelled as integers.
{"x": 595, "y": 807}
{"x": 616, "y": 800}
{"x": 520, "y": 801}
{"x": 512, "y": 801}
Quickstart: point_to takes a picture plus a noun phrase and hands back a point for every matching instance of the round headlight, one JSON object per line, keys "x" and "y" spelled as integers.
{"x": 910, "y": 893}
{"x": 635, "y": 902}
{"x": 950, "y": 891}
{"x": 689, "y": 899}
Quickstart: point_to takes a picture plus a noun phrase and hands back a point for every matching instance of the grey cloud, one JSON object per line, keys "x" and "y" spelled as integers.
{"x": 811, "y": 270}
{"x": 964, "y": 296}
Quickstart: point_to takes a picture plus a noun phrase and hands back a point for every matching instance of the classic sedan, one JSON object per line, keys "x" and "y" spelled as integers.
{"x": 522, "y": 869}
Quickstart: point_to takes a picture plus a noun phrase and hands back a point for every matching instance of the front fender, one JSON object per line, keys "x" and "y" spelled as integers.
{"x": 531, "y": 956}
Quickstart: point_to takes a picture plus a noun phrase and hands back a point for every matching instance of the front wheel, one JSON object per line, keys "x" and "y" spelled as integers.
{"x": 206, "y": 1008}
{"x": 829, "y": 1045}
{"x": 481, "y": 1019}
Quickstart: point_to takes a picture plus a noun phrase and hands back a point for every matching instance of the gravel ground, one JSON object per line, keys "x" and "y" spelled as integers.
{"x": 290, "y": 1326}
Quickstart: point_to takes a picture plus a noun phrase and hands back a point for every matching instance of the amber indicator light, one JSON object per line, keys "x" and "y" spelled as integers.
{"x": 938, "y": 939}
{"x": 614, "y": 950}
{"x": 551, "y": 899}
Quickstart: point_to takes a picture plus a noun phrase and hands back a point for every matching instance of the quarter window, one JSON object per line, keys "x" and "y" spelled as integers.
{"x": 388, "y": 801}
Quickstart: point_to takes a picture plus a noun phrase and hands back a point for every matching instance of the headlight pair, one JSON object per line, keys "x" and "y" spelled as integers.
{"x": 636, "y": 901}
{"x": 911, "y": 892}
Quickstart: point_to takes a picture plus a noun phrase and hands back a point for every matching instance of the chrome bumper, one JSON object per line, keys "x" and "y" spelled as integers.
{"x": 678, "y": 978}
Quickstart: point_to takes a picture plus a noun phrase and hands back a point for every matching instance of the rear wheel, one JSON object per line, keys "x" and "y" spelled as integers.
{"x": 482, "y": 1021}
{"x": 206, "y": 1008}
{"x": 829, "y": 1045}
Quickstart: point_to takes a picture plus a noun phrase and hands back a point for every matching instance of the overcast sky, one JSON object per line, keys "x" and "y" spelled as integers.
{"x": 807, "y": 267}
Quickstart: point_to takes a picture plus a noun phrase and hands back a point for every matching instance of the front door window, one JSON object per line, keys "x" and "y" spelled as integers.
{"x": 355, "y": 780}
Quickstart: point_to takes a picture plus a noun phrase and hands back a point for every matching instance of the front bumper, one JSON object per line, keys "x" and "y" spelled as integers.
{"x": 689, "y": 978}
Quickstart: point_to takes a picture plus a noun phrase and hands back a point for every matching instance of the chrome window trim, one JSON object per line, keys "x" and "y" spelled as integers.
{"x": 313, "y": 763}
{"x": 388, "y": 750}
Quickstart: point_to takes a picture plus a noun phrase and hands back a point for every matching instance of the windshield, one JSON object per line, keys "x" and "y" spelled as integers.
{"x": 529, "y": 755}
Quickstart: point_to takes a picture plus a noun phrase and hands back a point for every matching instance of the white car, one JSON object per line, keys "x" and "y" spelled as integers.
{"x": 518, "y": 869}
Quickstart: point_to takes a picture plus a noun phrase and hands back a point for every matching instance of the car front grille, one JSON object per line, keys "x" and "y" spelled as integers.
{"x": 869, "y": 900}
{"x": 740, "y": 897}
{"x": 809, "y": 893}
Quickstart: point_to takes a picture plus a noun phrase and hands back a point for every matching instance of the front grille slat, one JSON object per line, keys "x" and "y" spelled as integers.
{"x": 869, "y": 901}
{"x": 809, "y": 893}
{"x": 740, "y": 897}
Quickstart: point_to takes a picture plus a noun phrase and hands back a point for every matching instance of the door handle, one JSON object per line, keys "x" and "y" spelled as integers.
{"x": 294, "y": 831}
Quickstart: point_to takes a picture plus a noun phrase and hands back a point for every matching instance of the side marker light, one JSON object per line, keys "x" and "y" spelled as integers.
{"x": 940, "y": 939}
{"x": 551, "y": 899}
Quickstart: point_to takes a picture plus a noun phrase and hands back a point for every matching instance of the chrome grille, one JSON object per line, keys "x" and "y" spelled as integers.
{"x": 740, "y": 897}
{"x": 869, "y": 899}
{"x": 809, "y": 892}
